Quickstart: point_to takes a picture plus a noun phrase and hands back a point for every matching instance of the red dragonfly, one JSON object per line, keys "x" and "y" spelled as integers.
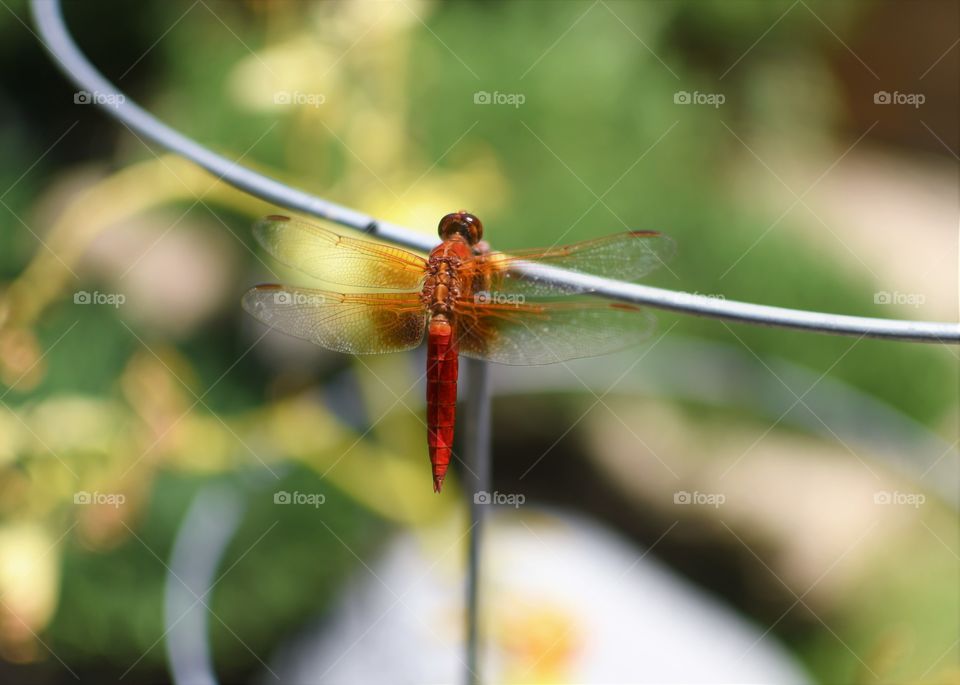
{"x": 470, "y": 301}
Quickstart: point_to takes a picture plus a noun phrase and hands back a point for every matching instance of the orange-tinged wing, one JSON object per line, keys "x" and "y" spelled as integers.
{"x": 545, "y": 332}
{"x": 622, "y": 256}
{"x": 338, "y": 259}
{"x": 357, "y": 323}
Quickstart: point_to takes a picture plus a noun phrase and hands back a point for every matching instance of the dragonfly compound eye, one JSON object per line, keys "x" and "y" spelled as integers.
{"x": 462, "y": 223}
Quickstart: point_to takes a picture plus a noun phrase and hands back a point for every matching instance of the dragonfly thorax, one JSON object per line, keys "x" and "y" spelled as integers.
{"x": 443, "y": 284}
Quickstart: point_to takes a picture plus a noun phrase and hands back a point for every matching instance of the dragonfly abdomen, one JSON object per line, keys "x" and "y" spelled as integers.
{"x": 442, "y": 368}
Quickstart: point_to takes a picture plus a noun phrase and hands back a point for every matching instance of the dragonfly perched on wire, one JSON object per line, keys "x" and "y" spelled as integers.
{"x": 468, "y": 300}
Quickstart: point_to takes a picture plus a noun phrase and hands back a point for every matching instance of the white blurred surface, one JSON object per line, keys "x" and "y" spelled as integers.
{"x": 566, "y": 601}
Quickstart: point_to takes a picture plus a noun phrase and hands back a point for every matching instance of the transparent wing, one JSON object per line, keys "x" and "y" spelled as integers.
{"x": 338, "y": 259}
{"x": 623, "y": 256}
{"x": 548, "y": 332}
{"x": 356, "y": 323}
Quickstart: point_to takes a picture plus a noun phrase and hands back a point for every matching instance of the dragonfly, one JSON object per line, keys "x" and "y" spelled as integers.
{"x": 464, "y": 298}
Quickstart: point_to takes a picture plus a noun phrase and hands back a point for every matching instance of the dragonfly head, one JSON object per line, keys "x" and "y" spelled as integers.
{"x": 461, "y": 223}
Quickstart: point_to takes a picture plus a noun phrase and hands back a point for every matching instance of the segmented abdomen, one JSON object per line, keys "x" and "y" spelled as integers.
{"x": 442, "y": 365}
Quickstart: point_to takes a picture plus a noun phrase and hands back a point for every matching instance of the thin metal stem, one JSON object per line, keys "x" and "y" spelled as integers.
{"x": 477, "y": 457}
{"x": 49, "y": 20}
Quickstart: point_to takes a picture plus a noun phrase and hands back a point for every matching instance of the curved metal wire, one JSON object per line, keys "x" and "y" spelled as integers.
{"x": 204, "y": 534}
{"x": 49, "y": 20}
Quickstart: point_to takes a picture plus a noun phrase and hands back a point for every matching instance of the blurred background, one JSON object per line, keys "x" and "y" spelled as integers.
{"x": 180, "y": 489}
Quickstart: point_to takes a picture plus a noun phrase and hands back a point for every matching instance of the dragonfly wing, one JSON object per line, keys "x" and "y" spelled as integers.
{"x": 624, "y": 256}
{"x": 546, "y": 332}
{"x": 357, "y": 323}
{"x": 339, "y": 259}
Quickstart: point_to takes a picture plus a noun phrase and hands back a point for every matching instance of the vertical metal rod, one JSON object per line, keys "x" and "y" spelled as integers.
{"x": 476, "y": 480}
